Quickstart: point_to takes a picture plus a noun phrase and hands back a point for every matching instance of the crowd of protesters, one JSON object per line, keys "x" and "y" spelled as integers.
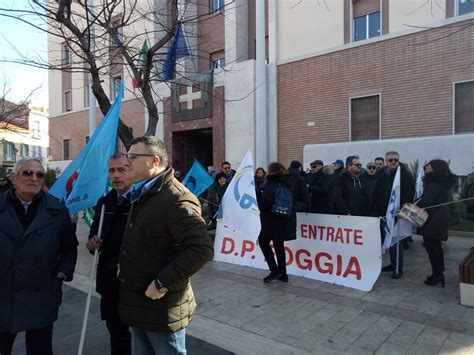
{"x": 348, "y": 188}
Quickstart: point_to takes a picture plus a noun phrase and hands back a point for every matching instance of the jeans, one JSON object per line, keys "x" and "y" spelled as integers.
{"x": 38, "y": 341}
{"x": 154, "y": 343}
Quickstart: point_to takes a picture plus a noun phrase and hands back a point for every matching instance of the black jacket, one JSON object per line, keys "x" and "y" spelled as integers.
{"x": 351, "y": 195}
{"x": 322, "y": 196}
{"x": 115, "y": 220}
{"x": 275, "y": 227}
{"x": 437, "y": 190}
{"x": 383, "y": 189}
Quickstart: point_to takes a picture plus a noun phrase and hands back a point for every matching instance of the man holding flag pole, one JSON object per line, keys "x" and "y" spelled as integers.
{"x": 85, "y": 180}
{"x": 394, "y": 188}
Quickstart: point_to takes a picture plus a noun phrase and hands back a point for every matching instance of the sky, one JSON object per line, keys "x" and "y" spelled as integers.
{"x": 31, "y": 42}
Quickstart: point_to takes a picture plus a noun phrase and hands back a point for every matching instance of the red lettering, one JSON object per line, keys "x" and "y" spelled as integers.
{"x": 321, "y": 232}
{"x": 328, "y": 265}
{"x": 226, "y": 240}
{"x": 312, "y": 232}
{"x": 339, "y": 236}
{"x": 308, "y": 265}
{"x": 330, "y": 234}
{"x": 348, "y": 234}
{"x": 338, "y": 265}
{"x": 247, "y": 246}
{"x": 357, "y": 237}
{"x": 304, "y": 230}
{"x": 289, "y": 259}
{"x": 353, "y": 268}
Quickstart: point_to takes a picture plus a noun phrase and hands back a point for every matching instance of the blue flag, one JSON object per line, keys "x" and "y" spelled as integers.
{"x": 178, "y": 49}
{"x": 85, "y": 179}
{"x": 197, "y": 180}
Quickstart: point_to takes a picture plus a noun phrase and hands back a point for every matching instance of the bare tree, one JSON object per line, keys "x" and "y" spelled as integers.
{"x": 13, "y": 115}
{"x": 94, "y": 34}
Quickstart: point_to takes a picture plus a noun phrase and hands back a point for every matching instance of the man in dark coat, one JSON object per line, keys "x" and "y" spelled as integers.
{"x": 165, "y": 242}
{"x": 38, "y": 251}
{"x": 313, "y": 181}
{"x": 350, "y": 192}
{"x": 381, "y": 198}
{"x": 338, "y": 167}
{"x": 300, "y": 192}
{"x": 117, "y": 205}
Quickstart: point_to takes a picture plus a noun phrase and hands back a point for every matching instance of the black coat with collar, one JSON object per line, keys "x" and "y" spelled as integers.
{"x": 30, "y": 291}
{"x": 437, "y": 190}
{"x": 351, "y": 195}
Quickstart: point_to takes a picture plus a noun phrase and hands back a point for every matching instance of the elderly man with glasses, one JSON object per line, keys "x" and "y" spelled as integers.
{"x": 164, "y": 243}
{"x": 381, "y": 198}
{"x": 38, "y": 251}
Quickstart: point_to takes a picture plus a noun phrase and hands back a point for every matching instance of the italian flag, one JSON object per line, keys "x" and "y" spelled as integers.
{"x": 140, "y": 63}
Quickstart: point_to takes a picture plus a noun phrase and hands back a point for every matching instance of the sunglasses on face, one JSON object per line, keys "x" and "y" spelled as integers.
{"x": 393, "y": 160}
{"x": 226, "y": 168}
{"x": 29, "y": 173}
{"x": 132, "y": 156}
{"x": 371, "y": 167}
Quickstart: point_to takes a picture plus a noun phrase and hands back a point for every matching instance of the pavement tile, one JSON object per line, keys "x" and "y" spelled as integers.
{"x": 392, "y": 349}
{"x": 458, "y": 343}
{"x": 372, "y": 339}
{"x": 432, "y": 337}
{"x": 347, "y": 314}
{"x": 406, "y": 333}
{"x": 387, "y": 324}
{"x": 328, "y": 328}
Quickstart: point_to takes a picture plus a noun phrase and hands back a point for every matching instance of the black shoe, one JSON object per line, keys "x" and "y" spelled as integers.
{"x": 387, "y": 268}
{"x": 283, "y": 277}
{"x": 397, "y": 276}
{"x": 271, "y": 276}
{"x": 434, "y": 279}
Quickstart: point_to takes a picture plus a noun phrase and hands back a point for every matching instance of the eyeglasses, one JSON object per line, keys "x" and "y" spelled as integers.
{"x": 132, "y": 156}
{"x": 393, "y": 160}
{"x": 371, "y": 167}
{"x": 29, "y": 173}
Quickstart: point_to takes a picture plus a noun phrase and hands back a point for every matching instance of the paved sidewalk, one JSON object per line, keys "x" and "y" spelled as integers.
{"x": 240, "y": 314}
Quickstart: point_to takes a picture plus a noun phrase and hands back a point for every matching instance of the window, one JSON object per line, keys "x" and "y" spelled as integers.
{"x": 35, "y": 131}
{"x": 66, "y": 149}
{"x": 464, "y": 7}
{"x": 216, "y": 6}
{"x": 66, "y": 55}
{"x": 365, "y": 118}
{"x": 464, "y": 107}
{"x": 367, "y": 26}
{"x": 116, "y": 80}
{"x": 217, "y": 63}
{"x": 67, "y": 101}
{"x": 9, "y": 151}
{"x": 25, "y": 150}
{"x": 37, "y": 151}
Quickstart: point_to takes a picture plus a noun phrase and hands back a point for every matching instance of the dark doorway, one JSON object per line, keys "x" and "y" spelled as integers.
{"x": 190, "y": 145}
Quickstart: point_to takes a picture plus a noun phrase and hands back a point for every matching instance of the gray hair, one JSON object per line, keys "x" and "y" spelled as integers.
{"x": 19, "y": 163}
{"x": 154, "y": 146}
{"x": 391, "y": 152}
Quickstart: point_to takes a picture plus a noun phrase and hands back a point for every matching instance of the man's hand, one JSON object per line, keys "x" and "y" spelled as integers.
{"x": 94, "y": 243}
{"x": 152, "y": 292}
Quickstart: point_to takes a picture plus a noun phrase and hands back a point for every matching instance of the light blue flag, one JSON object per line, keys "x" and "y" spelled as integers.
{"x": 85, "y": 179}
{"x": 197, "y": 180}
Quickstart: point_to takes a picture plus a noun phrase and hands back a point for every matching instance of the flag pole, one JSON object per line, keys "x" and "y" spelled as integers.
{"x": 91, "y": 283}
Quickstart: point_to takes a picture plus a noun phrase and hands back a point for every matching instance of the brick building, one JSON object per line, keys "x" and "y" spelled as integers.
{"x": 406, "y": 84}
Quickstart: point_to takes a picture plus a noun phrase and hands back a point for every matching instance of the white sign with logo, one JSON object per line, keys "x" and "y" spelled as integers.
{"x": 344, "y": 250}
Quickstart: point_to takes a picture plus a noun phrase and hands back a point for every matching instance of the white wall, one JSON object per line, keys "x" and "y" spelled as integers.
{"x": 239, "y": 81}
{"x": 459, "y": 149}
{"x": 404, "y": 14}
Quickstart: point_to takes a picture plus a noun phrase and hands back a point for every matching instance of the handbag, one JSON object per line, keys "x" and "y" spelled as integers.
{"x": 413, "y": 214}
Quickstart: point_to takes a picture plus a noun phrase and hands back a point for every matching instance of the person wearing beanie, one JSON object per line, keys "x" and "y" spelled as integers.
{"x": 338, "y": 166}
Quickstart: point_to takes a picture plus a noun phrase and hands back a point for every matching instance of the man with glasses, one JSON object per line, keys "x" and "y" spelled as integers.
{"x": 350, "y": 191}
{"x": 38, "y": 251}
{"x": 165, "y": 242}
{"x": 382, "y": 192}
{"x": 371, "y": 177}
{"x": 228, "y": 171}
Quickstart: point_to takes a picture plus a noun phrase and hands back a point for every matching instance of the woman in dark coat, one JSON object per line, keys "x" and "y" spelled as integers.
{"x": 275, "y": 228}
{"x": 259, "y": 179}
{"x": 438, "y": 183}
{"x": 215, "y": 194}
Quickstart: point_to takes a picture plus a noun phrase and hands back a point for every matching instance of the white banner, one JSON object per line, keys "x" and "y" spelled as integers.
{"x": 239, "y": 209}
{"x": 344, "y": 250}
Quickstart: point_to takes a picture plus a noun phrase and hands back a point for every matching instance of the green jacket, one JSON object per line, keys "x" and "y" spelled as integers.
{"x": 165, "y": 239}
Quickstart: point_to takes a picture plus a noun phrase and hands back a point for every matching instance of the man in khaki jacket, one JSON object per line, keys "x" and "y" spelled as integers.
{"x": 164, "y": 243}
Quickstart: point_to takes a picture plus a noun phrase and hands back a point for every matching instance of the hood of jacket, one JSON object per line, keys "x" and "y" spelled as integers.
{"x": 448, "y": 181}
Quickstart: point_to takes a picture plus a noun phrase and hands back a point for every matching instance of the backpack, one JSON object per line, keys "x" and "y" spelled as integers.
{"x": 283, "y": 204}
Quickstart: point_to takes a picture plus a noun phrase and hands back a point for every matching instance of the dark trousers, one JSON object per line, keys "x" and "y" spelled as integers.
{"x": 436, "y": 255}
{"x": 268, "y": 254}
{"x": 120, "y": 336}
{"x": 38, "y": 341}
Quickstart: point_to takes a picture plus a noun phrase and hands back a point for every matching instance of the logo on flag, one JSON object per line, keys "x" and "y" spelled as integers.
{"x": 197, "y": 180}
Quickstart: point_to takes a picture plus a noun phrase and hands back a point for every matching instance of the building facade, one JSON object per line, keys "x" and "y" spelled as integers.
{"x": 377, "y": 75}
